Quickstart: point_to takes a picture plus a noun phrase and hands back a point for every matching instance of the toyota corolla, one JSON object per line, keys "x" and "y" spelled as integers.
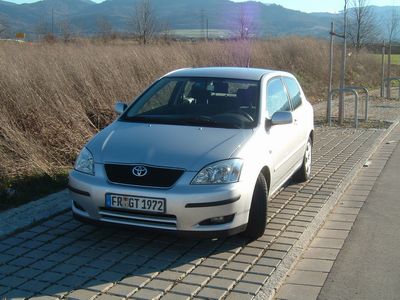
{"x": 199, "y": 152}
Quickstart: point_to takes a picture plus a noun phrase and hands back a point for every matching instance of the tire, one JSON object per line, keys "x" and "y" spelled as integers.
{"x": 258, "y": 210}
{"x": 304, "y": 173}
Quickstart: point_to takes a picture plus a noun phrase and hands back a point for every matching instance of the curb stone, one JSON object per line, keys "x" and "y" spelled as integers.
{"x": 278, "y": 277}
{"x": 19, "y": 218}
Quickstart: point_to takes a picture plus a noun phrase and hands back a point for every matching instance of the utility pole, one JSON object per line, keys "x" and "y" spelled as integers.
{"x": 52, "y": 22}
{"x": 389, "y": 70}
{"x": 343, "y": 66}
{"x": 383, "y": 70}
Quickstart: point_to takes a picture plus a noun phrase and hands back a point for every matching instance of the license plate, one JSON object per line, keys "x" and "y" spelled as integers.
{"x": 136, "y": 203}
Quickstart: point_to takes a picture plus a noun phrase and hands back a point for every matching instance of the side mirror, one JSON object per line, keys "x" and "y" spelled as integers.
{"x": 120, "y": 107}
{"x": 281, "y": 118}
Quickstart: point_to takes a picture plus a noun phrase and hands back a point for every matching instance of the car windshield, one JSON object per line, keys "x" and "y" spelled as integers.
{"x": 211, "y": 102}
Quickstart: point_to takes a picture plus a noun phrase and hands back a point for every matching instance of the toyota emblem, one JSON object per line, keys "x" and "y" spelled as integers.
{"x": 139, "y": 171}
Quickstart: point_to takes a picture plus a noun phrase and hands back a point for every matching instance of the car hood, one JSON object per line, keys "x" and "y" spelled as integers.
{"x": 186, "y": 147}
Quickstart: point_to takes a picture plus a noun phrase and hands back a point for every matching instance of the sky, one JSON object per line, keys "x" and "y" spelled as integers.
{"x": 304, "y": 5}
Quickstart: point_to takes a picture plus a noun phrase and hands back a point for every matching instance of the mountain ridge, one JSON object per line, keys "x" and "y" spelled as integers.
{"x": 83, "y": 16}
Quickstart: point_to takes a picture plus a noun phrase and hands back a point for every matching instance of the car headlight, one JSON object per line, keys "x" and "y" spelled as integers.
{"x": 84, "y": 163}
{"x": 225, "y": 171}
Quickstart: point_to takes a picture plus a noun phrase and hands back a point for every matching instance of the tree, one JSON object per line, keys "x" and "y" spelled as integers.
{"x": 144, "y": 22}
{"x": 362, "y": 26}
{"x": 66, "y": 30}
{"x": 392, "y": 26}
{"x": 105, "y": 28}
{"x": 4, "y": 27}
{"x": 245, "y": 25}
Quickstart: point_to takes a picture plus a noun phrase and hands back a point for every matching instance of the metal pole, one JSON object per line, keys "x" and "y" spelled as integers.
{"x": 388, "y": 94}
{"x": 356, "y": 110}
{"x": 328, "y": 112}
{"x": 383, "y": 70}
{"x": 343, "y": 67}
{"x": 207, "y": 29}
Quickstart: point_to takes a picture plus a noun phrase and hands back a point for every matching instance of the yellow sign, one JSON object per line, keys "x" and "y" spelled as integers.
{"x": 20, "y": 35}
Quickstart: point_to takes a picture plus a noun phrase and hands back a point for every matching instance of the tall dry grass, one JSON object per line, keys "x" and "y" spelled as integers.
{"x": 55, "y": 97}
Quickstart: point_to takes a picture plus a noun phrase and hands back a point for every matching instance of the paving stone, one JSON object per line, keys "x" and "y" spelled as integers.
{"x": 50, "y": 277}
{"x": 311, "y": 264}
{"x": 147, "y": 294}
{"x": 239, "y": 296}
{"x": 342, "y": 217}
{"x": 185, "y": 289}
{"x": 321, "y": 253}
{"x": 108, "y": 297}
{"x": 263, "y": 270}
{"x": 333, "y": 234}
{"x": 246, "y": 287}
{"x": 275, "y": 254}
{"x": 221, "y": 283}
{"x": 138, "y": 281}
{"x": 338, "y": 225}
{"x": 17, "y": 294}
{"x": 211, "y": 293}
{"x": 195, "y": 279}
{"x": 238, "y": 266}
{"x": 81, "y": 295}
{"x": 174, "y": 296}
{"x": 267, "y": 261}
{"x": 298, "y": 292}
{"x": 307, "y": 278}
{"x": 34, "y": 285}
{"x": 206, "y": 271}
{"x": 12, "y": 281}
{"x": 170, "y": 275}
{"x": 327, "y": 243}
{"x": 280, "y": 247}
{"x": 158, "y": 284}
{"x": 97, "y": 285}
{"x": 109, "y": 276}
{"x": 250, "y": 259}
{"x": 122, "y": 290}
{"x": 73, "y": 281}
{"x": 255, "y": 278}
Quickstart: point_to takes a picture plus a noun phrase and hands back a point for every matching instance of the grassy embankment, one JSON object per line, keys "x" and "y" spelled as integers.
{"x": 55, "y": 97}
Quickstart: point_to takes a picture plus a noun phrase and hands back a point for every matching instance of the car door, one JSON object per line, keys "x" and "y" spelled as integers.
{"x": 281, "y": 138}
{"x": 300, "y": 117}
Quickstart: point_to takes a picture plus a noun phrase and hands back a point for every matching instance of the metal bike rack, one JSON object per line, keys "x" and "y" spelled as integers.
{"x": 388, "y": 80}
{"x": 346, "y": 89}
{"x": 366, "y": 92}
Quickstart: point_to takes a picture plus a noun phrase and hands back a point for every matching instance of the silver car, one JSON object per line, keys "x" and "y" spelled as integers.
{"x": 199, "y": 152}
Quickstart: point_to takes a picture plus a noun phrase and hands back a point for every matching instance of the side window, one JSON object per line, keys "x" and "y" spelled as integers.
{"x": 277, "y": 99}
{"x": 294, "y": 91}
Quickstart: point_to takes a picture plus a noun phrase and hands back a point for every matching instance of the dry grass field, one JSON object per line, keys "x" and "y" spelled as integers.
{"x": 54, "y": 97}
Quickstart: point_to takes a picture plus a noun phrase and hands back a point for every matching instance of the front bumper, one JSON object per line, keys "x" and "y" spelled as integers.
{"x": 186, "y": 205}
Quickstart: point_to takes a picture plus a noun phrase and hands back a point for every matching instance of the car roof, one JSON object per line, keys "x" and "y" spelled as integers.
{"x": 223, "y": 72}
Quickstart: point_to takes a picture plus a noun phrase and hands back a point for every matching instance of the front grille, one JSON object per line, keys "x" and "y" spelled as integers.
{"x": 156, "y": 177}
{"x": 138, "y": 218}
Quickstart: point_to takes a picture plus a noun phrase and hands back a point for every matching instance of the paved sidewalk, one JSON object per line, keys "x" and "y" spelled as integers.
{"x": 355, "y": 254}
{"x": 62, "y": 258}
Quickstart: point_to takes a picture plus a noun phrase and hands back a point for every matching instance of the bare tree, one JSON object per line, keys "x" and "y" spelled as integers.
{"x": 392, "y": 26}
{"x": 66, "y": 30}
{"x": 4, "y": 27}
{"x": 105, "y": 27}
{"x": 144, "y": 22}
{"x": 362, "y": 26}
{"x": 245, "y": 25}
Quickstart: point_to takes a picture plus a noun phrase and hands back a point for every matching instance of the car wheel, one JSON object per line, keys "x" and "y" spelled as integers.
{"x": 304, "y": 173}
{"x": 258, "y": 210}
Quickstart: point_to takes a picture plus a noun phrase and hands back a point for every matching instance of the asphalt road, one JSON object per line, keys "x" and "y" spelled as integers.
{"x": 368, "y": 266}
